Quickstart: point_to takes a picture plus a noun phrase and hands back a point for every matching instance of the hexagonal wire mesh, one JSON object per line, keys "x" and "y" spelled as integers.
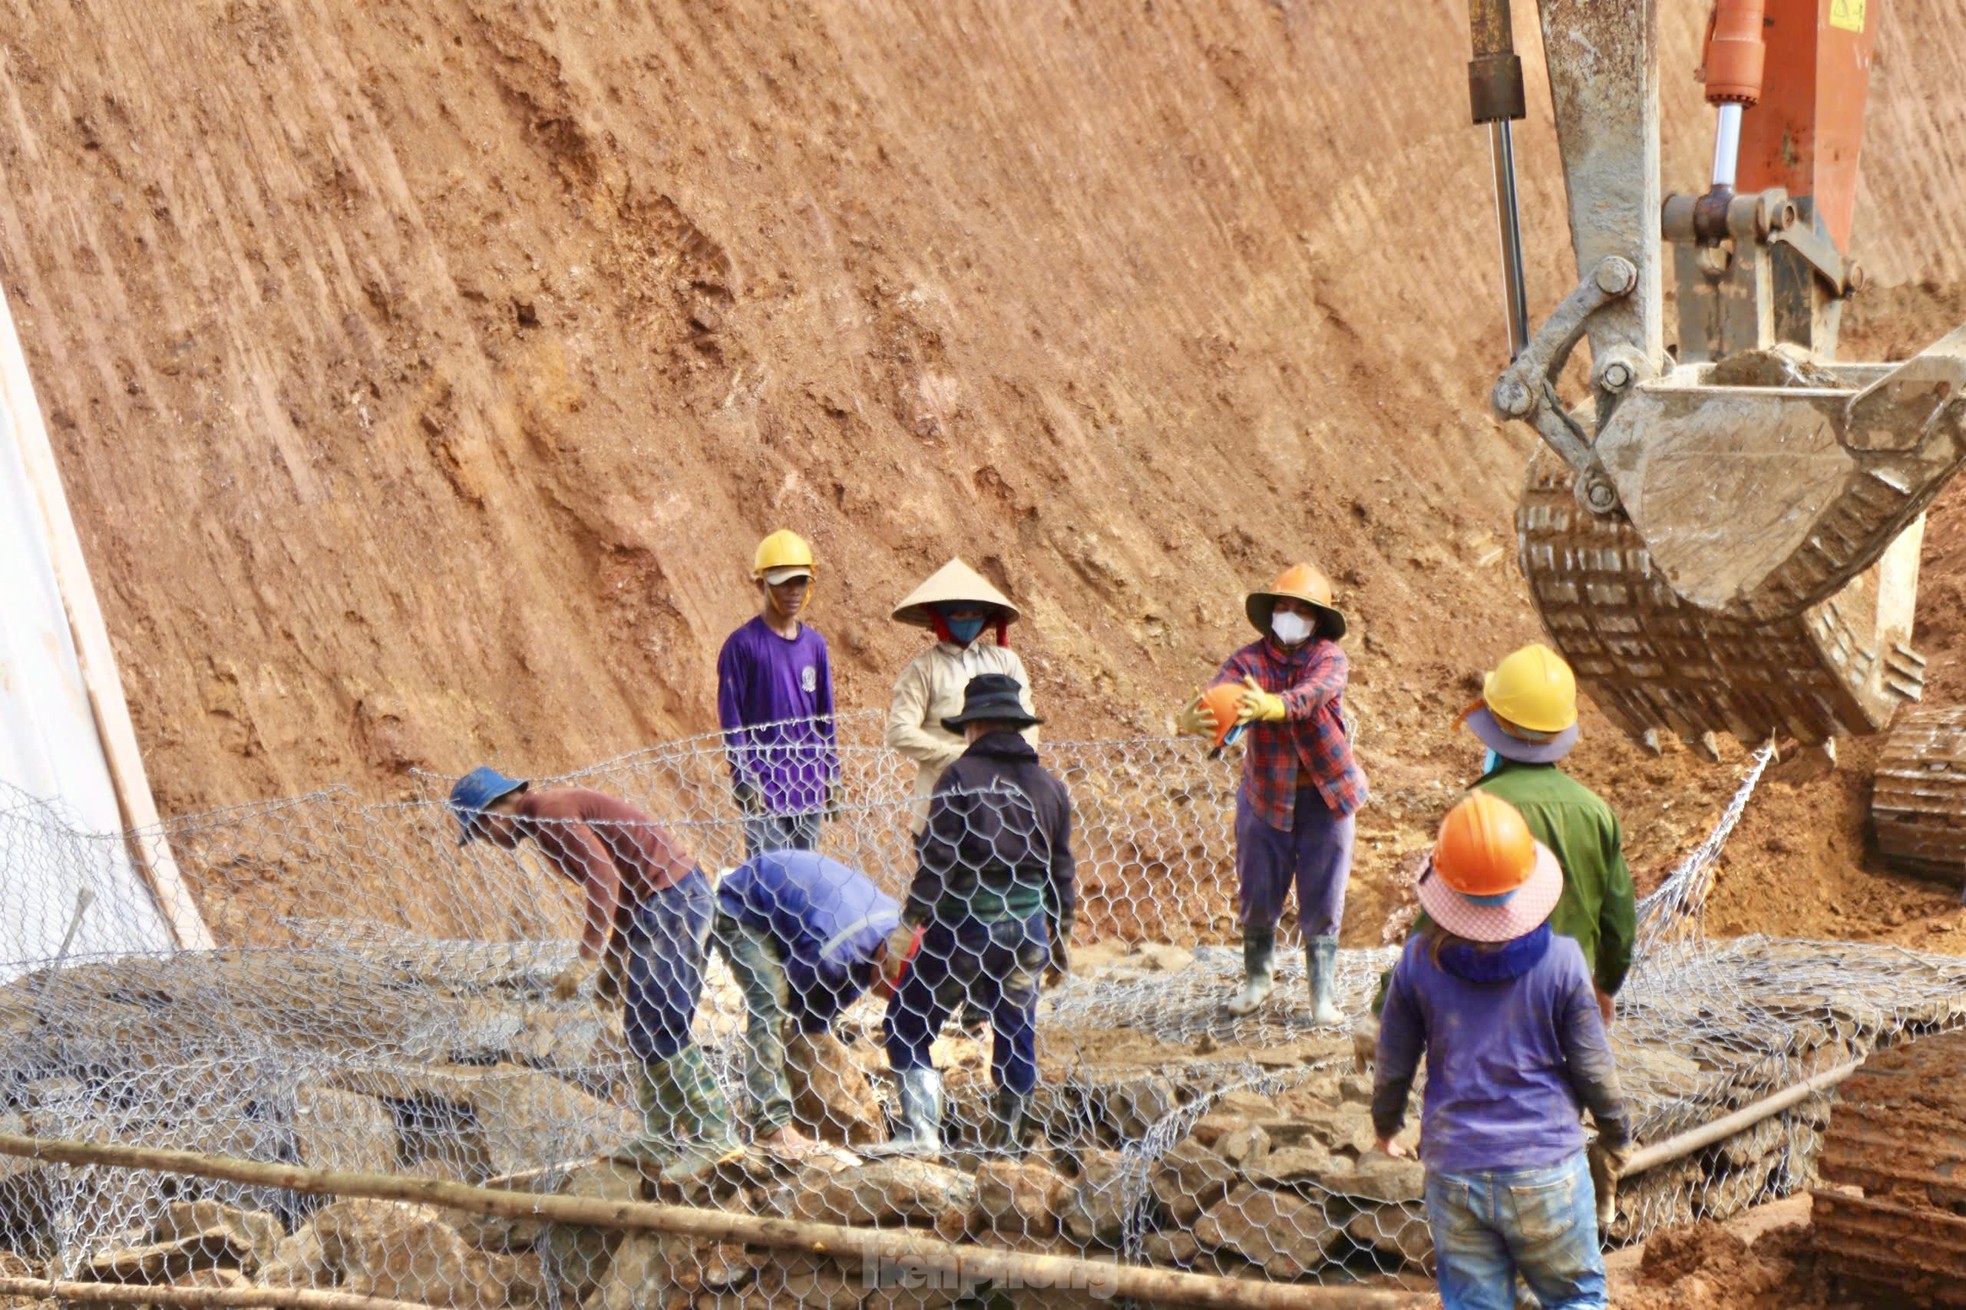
{"x": 387, "y": 1001}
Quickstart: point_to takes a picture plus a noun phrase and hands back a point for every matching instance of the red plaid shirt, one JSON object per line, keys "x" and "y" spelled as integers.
{"x": 1309, "y": 746}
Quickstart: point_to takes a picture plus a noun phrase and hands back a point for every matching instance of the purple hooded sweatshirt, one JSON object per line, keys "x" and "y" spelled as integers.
{"x": 1515, "y": 1051}
{"x": 775, "y": 702}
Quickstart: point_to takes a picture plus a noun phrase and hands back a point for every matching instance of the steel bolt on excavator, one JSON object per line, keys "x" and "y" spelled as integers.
{"x": 1725, "y": 537}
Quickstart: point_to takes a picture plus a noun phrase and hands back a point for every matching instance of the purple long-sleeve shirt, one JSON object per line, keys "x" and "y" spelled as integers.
{"x": 1511, "y": 1062}
{"x": 775, "y": 702}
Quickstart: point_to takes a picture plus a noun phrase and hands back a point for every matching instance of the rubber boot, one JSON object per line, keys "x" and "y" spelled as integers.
{"x": 1259, "y": 947}
{"x": 920, "y": 1132}
{"x": 686, "y": 1127}
{"x": 1321, "y": 955}
{"x": 1004, "y": 1134}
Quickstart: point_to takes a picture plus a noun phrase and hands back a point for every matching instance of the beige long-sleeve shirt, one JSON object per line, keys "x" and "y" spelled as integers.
{"x": 930, "y": 690}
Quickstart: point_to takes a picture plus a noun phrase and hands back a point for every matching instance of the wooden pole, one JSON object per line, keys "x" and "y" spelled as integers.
{"x": 93, "y": 654}
{"x": 1651, "y": 1157}
{"x": 280, "y": 1298}
{"x": 900, "y": 1248}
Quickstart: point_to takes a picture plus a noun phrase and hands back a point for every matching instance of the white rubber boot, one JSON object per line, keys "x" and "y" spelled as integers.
{"x": 1258, "y": 949}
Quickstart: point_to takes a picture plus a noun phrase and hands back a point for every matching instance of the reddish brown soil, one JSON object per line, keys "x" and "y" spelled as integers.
{"x": 1708, "y": 1265}
{"x": 423, "y": 373}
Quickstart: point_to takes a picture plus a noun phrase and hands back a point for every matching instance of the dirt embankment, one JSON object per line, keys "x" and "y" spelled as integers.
{"x": 422, "y": 374}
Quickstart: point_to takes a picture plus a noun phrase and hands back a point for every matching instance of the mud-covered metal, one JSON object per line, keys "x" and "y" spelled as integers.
{"x": 1919, "y": 805}
{"x": 1652, "y": 661}
{"x": 1891, "y": 1217}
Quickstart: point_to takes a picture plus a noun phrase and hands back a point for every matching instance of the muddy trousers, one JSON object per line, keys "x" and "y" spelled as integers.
{"x": 996, "y": 967}
{"x": 773, "y": 1006}
{"x": 1316, "y": 855}
{"x": 1492, "y": 1225}
{"x": 664, "y": 945}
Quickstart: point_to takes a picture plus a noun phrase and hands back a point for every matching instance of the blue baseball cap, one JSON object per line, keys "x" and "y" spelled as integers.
{"x": 474, "y": 792}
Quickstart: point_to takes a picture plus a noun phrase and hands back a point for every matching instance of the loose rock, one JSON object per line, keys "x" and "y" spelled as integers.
{"x": 912, "y": 1191}
{"x": 1382, "y": 1178}
{"x": 1096, "y": 1209}
{"x": 1018, "y": 1199}
{"x": 1282, "y": 1232}
{"x": 1188, "y": 1179}
{"x": 1396, "y": 1231}
{"x": 832, "y": 1097}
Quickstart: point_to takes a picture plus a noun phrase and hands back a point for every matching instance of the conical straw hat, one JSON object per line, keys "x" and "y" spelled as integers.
{"x": 954, "y": 581}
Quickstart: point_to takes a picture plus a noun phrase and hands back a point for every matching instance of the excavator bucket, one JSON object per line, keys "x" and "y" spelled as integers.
{"x": 1654, "y": 660}
{"x": 1725, "y": 537}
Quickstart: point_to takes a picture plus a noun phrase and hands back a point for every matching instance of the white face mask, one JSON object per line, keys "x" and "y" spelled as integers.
{"x": 1290, "y": 629}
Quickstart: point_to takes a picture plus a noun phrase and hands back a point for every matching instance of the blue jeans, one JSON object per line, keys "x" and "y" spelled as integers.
{"x": 666, "y": 938}
{"x": 1491, "y": 1225}
{"x": 995, "y": 966}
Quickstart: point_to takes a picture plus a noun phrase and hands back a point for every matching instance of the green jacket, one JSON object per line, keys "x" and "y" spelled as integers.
{"x": 1598, "y": 906}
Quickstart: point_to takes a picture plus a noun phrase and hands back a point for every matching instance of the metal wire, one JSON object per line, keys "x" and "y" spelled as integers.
{"x": 381, "y": 999}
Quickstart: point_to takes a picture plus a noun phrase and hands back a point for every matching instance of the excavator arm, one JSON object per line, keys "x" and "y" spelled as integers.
{"x": 1724, "y": 537}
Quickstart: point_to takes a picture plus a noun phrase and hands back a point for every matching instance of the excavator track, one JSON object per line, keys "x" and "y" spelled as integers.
{"x": 1919, "y": 806}
{"x": 1892, "y": 1222}
{"x": 1653, "y": 661}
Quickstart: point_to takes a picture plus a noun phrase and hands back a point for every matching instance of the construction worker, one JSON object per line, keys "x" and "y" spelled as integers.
{"x": 995, "y": 894}
{"x": 1505, "y": 1010}
{"x": 775, "y": 703}
{"x": 647, "y": 913}
{"x": 804, "y": 936}
{"x": 1527, "y": 720}
{"x": 1300, "y": 784}
{"x": 959, "y": 606}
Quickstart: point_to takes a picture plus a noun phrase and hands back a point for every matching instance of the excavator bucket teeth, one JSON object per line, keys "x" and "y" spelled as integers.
{"x": 1919, "y": 805}
{"x": 1653, "y": 661}
{"x": 1759, "y": 497}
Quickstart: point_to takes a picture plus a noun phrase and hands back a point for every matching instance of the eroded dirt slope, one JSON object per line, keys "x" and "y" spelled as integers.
{"x": 422, "y": 374}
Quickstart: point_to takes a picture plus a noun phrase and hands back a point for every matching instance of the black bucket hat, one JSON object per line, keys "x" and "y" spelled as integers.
{"x": 994, "y": 696}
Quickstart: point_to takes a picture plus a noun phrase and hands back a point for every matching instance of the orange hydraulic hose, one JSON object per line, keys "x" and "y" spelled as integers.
{"x": 1736, "y": 53}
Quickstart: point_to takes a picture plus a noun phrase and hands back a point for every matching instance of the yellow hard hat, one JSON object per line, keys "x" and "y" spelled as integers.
{"x": 1532, "y": 688}
{"x": 783, "y": 549}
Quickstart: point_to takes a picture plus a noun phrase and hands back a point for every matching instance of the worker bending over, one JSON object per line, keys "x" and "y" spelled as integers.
{"x": 647, "y": 912}
{"x": 804, "y": 936}
{"x": 1300, "y": 783}
{"x": 995, "y": 894}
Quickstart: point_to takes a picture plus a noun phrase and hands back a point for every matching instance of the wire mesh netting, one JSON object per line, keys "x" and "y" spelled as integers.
{"x": 386, "y": 1001}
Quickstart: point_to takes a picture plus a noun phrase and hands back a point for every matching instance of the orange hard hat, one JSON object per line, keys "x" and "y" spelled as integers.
{"x": 1485, "y": 847}
{"x": 1225, "y": 699}
{"x": 1298, "y": 582}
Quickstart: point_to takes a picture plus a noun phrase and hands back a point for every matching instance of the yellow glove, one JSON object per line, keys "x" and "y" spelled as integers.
{"x": 1259, "y": 706}
{"x": 1196, "y": 719}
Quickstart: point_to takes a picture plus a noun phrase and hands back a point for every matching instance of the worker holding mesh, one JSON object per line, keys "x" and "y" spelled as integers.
{"x": 1506, "y": 1013}
{"x": 1301, "y": 784}
{"x": 994, "y": 894}
{"x": 645, "y": 917}
{"x": 804, "y": 936}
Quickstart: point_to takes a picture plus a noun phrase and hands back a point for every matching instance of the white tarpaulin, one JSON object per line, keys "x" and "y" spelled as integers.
{"x": 60, "y": 817}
